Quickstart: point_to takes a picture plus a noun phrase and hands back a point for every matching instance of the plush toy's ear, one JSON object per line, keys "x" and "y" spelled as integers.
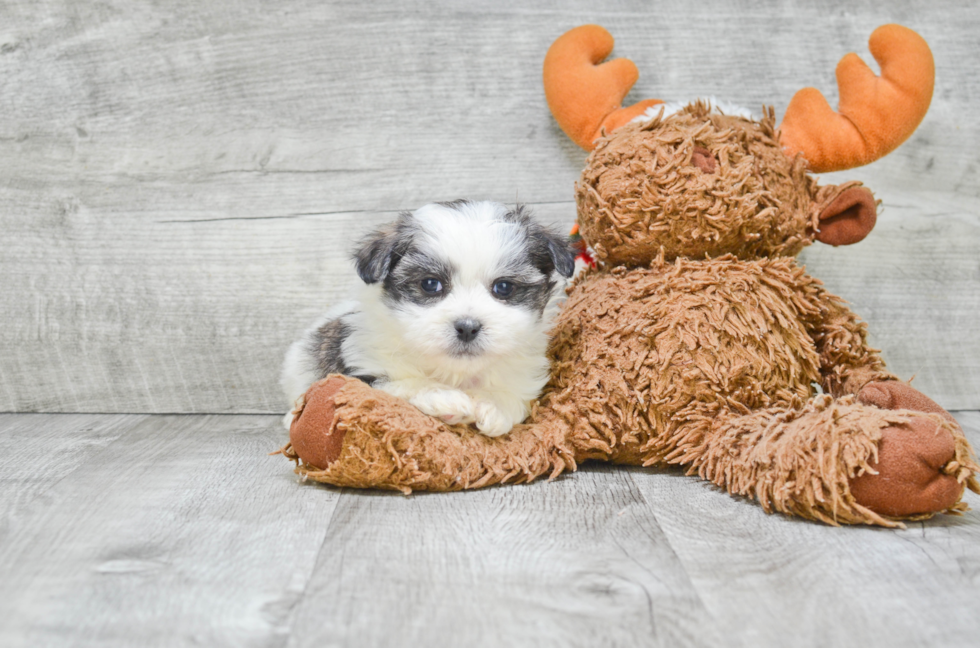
{"x": 379, "y": 251}
{"x": 848, "y": 218}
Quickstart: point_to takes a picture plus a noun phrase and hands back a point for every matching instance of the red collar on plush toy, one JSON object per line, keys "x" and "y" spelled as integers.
{"x": 582, "y": 252}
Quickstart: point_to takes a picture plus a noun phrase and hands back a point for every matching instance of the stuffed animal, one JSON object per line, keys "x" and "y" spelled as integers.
{"x": 697, "y": 340}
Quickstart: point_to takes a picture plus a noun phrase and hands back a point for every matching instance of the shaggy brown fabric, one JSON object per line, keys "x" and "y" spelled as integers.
{"x": 643, "y": 358}
{"x": 795, "y": 460}
{"x": 697, "y": 341}
{"x": 390, "y": 444}
{"x": 847, "y": 363}
{"x": 818, "y": 462}
{"x": 642, "y": 191}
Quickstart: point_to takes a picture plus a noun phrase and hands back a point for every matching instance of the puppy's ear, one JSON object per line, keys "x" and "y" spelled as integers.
{"x": 552, "y": 251}
{"x": 380, "y": 250}
{"x": 549, "y": 251}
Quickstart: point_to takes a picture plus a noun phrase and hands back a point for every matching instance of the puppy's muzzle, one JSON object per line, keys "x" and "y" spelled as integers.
{"x": 467, "y": 329}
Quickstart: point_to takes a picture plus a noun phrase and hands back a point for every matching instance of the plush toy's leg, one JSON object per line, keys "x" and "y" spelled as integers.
{"x": 349, "y": 434}
{"x": 818, "y": 461}
{"x": 921, "y": 467}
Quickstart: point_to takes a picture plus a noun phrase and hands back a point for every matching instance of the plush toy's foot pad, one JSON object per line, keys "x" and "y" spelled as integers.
{"x": 911, "y": 479}
{"x": 893, "y": 395}
{"x": 923, "y": 466}
{"x": 314, "y": 434}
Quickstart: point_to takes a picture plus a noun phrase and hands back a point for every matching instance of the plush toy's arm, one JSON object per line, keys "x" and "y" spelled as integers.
{"x": 348, "y": 434}
{"x": 847, "y": 363}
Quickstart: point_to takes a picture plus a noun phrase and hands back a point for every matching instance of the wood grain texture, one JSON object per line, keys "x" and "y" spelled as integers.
{"x": 771, "y": 580}
{"x": 149, "y": 530}
{"x": 590, "y": 560}
{"x": 179, "y": 182}
{"x": 140, "y": 530}
{"x": 577, "y": 562}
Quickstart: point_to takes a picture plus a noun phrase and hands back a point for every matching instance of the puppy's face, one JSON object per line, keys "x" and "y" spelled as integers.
{"x": 466, "y": 281}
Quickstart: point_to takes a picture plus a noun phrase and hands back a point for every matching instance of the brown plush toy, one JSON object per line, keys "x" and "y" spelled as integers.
{"x": 698, "y": 340}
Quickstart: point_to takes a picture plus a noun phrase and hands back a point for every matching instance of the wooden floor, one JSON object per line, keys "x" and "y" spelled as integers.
{"x": 123, "y": 530}
{"x": 180, "y": 185}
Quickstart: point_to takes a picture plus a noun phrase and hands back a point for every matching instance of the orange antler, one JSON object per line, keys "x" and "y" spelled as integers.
{"x": 583, "y": 95}
{"x": 876, "y": 114}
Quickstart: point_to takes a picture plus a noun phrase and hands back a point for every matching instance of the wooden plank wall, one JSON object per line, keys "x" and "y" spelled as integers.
{"x": 180, "y": 182}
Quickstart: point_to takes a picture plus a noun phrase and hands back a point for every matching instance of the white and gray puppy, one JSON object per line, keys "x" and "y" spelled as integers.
{"x": 453, "y": 315}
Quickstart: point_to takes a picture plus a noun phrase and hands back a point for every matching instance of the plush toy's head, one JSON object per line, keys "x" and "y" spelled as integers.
{"x": 699, "y": 182}
{"x": 696, "y": 183}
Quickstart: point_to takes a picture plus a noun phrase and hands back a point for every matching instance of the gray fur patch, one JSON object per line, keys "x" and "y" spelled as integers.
{"x": 326, "y": 349}
{"x": 404, "y": 283}
{"x": 549, "y": 251}
{"x": 533, "y": 296}
{"x": 379, "y": 252}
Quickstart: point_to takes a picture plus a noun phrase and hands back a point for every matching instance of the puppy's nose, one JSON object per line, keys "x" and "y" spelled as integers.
{"x": 467, "y": 329}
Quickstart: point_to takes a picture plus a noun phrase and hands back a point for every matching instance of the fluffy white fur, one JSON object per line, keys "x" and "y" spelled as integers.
{"x": 413, "y": 348}
{"x": 671, "y": 107}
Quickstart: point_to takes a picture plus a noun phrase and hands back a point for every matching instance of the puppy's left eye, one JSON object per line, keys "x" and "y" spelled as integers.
{"x": 503, "y": 288}
{"x": 432, "y": 286}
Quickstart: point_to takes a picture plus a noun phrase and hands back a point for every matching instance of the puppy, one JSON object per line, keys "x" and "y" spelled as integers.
{"x": 453, "y": 315}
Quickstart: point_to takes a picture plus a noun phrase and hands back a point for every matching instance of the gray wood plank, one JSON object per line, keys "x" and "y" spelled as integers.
{"x": 155, "y": 531}
{"x": 178, "y": 530}
{"x": 39, "y": 452}
{"x": 768, "y": 580}
{"x": 576, "y": 562}
{"x": 177, "y": 181}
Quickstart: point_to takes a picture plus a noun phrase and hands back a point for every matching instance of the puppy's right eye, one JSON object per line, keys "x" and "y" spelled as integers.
{"x": 431, "y": 286}
{"x": 503, "y": 288}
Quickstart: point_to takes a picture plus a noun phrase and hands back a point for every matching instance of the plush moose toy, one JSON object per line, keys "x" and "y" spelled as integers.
{"x": 697, "y": 340}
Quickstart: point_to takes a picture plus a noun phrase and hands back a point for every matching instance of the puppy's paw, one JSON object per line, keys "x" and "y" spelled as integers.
{"x": 449, "y": 405}
{"x": 491, "y": 421}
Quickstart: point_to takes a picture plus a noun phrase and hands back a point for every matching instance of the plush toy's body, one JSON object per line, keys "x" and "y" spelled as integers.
{"x": 696, "y": 341}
